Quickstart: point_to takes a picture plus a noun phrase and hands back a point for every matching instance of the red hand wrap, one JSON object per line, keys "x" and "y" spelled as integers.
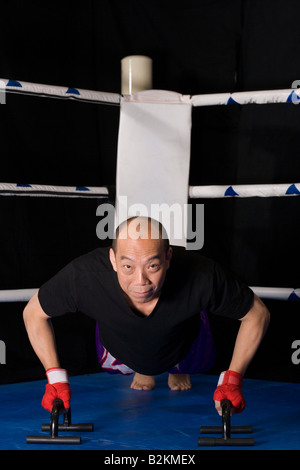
{"x": 57, "y": 387}
{"x": 230, "y": 388}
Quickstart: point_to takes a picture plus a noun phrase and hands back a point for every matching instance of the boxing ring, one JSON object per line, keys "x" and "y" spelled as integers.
{"x": 124, "y": 419}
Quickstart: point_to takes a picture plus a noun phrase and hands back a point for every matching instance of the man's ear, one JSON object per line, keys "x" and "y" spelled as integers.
{"x": 169, "y": 256}
{"x": 112, "y": 258}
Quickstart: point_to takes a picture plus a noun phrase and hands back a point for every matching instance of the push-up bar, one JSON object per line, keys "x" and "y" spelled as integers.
{"x": 226, "y": 429}
{"x": 54, "y": 427}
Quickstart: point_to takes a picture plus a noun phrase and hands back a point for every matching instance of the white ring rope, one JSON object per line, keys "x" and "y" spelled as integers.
{"x": 291, "y": 95}
{"x": 275, "y": 293}
{"x": 16, "y": 295}
{"x": 195, "y": 192}
{"x": 12, "y": 189}
{"x": 248, "y": 97}
{"x": 53, "y": 91}
{"x": 247, "y": 190}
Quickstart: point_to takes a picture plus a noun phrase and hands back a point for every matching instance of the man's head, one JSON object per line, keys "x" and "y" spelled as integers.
{"x": 141, "y": 256}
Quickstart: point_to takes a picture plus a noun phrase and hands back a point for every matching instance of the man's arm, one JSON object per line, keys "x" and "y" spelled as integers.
{"x": 42, "y": 339}
{"x": 40, "y": 333}
{"x": 251, "y": 332}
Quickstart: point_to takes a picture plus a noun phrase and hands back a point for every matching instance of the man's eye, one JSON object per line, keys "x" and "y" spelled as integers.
{"x": 153, "y": 266}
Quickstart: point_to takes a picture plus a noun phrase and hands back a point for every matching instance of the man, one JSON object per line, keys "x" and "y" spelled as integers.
{"x": 149, "y": 301}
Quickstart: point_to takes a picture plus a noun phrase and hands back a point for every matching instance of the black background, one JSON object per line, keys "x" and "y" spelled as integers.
{"x": 197, "y": 46}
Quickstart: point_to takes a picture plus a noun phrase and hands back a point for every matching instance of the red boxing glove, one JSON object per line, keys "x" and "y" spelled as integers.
{"x": 230, "y": 388}
{"x": 57, "y": 387}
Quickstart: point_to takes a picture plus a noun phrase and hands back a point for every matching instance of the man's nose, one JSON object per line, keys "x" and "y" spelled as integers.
{"x": 141, "y": 277}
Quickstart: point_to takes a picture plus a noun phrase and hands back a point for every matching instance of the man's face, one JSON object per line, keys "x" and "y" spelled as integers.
{"x": 141, "y": 266}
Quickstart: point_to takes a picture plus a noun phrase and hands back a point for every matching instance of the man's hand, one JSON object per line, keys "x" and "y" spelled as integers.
{"x": 57, "y": 387}
{"x": 230, "y": 388}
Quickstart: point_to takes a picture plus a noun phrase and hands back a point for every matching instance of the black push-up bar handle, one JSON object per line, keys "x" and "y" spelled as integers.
{"x": 53, "y": 440}
{"x": 219, "y": 441}
{"x": 226, "y": 430}
{"x": 54, "y": 427}
{"x": 68, "y": 425}
{"x": 226, "y": 424}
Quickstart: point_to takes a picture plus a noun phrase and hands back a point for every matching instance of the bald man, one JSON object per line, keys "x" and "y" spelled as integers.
{"x": 150, "y": 302}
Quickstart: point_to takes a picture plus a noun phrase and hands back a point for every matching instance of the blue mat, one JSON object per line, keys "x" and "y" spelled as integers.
{"x": 126, "y": 419}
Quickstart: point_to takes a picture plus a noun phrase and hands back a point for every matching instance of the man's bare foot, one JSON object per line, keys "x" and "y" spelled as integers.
{"x": 143, "y": 382}
{"x": 179, "y": 382}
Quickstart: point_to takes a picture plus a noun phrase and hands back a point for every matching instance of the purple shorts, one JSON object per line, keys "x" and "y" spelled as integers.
{"x": 200, "y": 358}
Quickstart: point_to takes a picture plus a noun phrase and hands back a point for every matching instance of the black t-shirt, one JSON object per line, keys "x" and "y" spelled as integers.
{"x": 150, "y": 344}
